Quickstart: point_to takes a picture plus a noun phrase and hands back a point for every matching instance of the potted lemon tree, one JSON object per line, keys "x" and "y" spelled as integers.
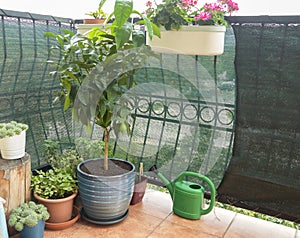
{"x": 95, "y": 70}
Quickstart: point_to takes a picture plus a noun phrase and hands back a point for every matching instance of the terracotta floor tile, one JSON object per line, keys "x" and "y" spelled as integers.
{"x": 172, "y": 230}
{"x": 214, "y": 223}
{"x": 153, "y": 218}
{"x": 155, "y": 203}
{"x": 136, "y": 225}
{"x": 249, "y": 227}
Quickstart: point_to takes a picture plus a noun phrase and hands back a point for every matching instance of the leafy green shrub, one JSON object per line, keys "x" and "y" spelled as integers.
{"x": 89, "y": 149}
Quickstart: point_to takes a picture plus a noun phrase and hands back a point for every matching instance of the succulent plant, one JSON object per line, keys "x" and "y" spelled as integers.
{"x": 28, "y": 214}
{"x": 11, "y": 128}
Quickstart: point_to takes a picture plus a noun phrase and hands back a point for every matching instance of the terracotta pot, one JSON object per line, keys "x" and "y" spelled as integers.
{"x": 93, "y": 21}
{"x": 139, "y": 190}
{"x": 64, "y": 225}
{"x": 60, "y": 209}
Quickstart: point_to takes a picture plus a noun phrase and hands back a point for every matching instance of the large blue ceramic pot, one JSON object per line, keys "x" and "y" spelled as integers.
{"x": 105, "y": 198}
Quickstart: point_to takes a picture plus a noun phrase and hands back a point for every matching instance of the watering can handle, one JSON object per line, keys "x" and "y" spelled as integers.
{"x": 206, "y": 180}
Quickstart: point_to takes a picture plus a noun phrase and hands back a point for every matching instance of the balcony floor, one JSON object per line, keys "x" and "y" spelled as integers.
{"x": 153, "y": 218}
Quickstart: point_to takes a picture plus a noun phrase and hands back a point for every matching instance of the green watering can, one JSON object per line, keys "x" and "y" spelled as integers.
{"x": 188, "y": 196}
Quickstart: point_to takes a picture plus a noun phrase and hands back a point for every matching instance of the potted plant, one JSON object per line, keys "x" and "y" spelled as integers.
{"x": 12, "y": 140}
{"x": 69, "y": 158}
{"x": 99, "y": 15}
{"x": 139, "y": 186}
{"x": 56, "y": 189}
{"x": 29, "y": 219}
{"x": 95, "y": 70}
{"x": 187, "y": 28}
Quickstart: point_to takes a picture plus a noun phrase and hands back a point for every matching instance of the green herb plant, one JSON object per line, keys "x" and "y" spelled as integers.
{"x": 55, "y": 183}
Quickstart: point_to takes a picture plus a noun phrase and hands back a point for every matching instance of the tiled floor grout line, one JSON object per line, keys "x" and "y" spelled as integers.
{"x": 162, "y": 221}
{"x": 229, "y": 225}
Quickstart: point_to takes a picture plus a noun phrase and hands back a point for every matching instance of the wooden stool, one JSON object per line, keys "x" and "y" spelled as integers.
{"x": 15, "y": 182}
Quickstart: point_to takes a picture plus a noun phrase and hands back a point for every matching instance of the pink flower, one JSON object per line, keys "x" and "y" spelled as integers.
{"x": 232, "y": 6}
{"x": 148, "y": 4}
{"x": 189, "y": 3}
{"x": 203, "y": 16}
{"x": 212, "y": 7}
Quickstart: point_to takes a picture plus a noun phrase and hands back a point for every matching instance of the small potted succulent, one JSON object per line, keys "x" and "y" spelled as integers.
{"x": 56, "y": 189}
{"x": 29, "y": 219}
{"x": 12, "y": 139}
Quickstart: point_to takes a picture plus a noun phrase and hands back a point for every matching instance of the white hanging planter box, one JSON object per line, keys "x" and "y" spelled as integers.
{"x": 13, "y": 147}
{"x": 190, "y": 40}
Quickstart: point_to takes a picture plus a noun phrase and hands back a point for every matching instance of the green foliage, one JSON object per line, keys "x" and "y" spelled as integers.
{"x": 259, "y": 215}
{"x": 51, "y": 148}
{"x": 54, "y": 184}
{"x": 69, "y": 158}
{"x": 102, "y": 60}
{"x": 99, "y": 13}
{"x": 12, "y": 128}
{"x": 28, "y": 214}
{"x": 88, "y": 148}
{"x": 169, "y": 15}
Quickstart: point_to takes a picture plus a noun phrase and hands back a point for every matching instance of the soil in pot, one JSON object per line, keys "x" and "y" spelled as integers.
{"x": 115, "y": 167}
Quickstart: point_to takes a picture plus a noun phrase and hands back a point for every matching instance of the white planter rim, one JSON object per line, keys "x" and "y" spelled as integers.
{"x": 204, "y": 28}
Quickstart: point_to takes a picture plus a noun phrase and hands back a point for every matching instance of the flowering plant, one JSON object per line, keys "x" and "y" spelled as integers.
{"x": 172, "y": 14}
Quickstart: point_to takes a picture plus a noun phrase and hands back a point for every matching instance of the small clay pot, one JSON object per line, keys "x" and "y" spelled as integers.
{"x": 60, "y": 209}
{"x": 139, "y": 189}
{"x": 64, "y": 225}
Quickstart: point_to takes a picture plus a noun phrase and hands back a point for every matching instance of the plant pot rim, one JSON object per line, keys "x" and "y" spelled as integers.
{"x": 197, "y": 28}
{"x": 103, "y": 176}
{"x": 59, "y": 200}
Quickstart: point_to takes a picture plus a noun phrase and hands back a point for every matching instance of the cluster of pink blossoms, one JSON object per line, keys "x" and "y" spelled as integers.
{"x": 189, "y": 2}
{"x": 216, "y": 10}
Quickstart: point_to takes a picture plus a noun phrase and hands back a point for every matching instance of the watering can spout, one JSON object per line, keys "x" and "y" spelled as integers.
{"x": 169, "y": 185}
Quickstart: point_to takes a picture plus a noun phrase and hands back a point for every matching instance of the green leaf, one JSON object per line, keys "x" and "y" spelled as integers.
{"x": 67, "y": 103}
{"x": 138, "y": 38}
{"x": 123, "y": 34}
{"x": 122, "y": 10}
{"x": 147, "y": 23}
{"x": 156, "y": 30}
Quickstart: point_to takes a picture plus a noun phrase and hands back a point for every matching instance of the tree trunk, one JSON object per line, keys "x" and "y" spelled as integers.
{"x": 106, "y": 137}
